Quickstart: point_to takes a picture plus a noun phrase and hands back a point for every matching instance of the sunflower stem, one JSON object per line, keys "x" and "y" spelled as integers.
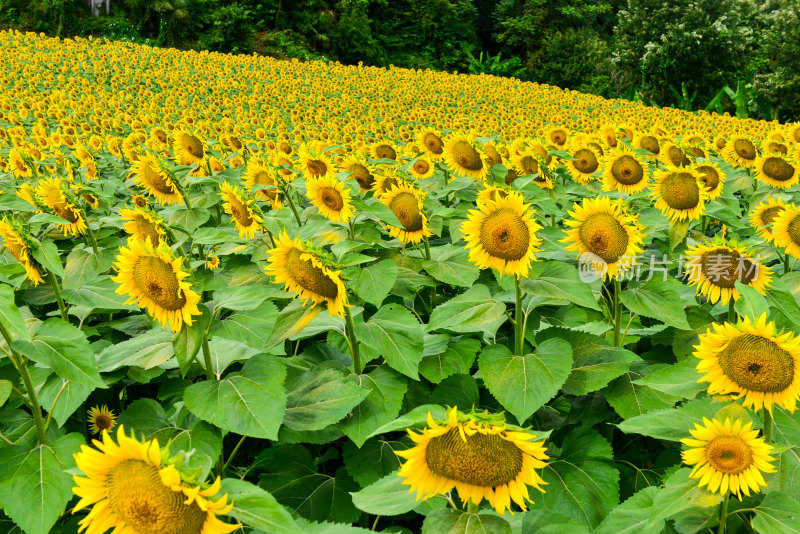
{"x": 21, "y": 365}
{"x": 723, "y": 514}
{"x": 207, "y": 358}
{"x": 786, "y": 267}
{"x": 53, "y": 406}
{"x": 230, "y": 457}
{"x": 428, "y": 257}
{"x": 519, "y": 327}
{"x": 351, "y": 230}
{"x": 291, "y": 205}
{"x": 351, "y": 335}
{"x": 90, "y": 233}
{"x": 767, "y": 426}
{"x": 617, "y": 312}
{"x": 731, "y": 312}
{"x": 61, "y": 306}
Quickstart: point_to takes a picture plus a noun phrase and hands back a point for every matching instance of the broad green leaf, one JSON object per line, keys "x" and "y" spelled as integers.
{"x": 379, "y": 211}
{"x": 659, "y": 299}
{"x": 397, "y": 336}
{"x": 372, "y": 461}
{"x": 630, "y": 399}
{"x": 148, "y": 418}
{"x": 450, "y": 264}
{"x": 786, "y": 430}
{"x": 320, "y": 397}
{"x": 291, "y": 321}
{"x": 63, "y": 348}
{"x": 5, "y": 391}
{"x": 98, "y": 294}
{"x": 387, "y": 496}
{"x": 381, "y": 406}
{"x": 672, "y": 424}
{"x": 777, "y": 513}
{"x": 416, "y": 417}
{"x": 457, "y": 359}
{"x": 679, "y": 379}
{"x": 81, "y": 266}
{"x": 72, "y": 397}
{"x": 326, "y": 527}
{"x": 47, "y": 255}
{"x": 449, "y": 521}
{"x": 583, "y": 481}
{"x": 256, "y": 508}
{"x": 554, "y": 279}
{"x": 678, "y": 494}
{"x": 781, "y": 297}
{"x": 677, "y": 233}
{"x": 473, "y": 311}
{"x": 551, "y": 522}
{"x": 522, "y": 384}
{"x": 250, "y": 402}
{"x": 751, "y": 303}
{"x": 186, "y": 343}
{"x": 189, "y": 219}
{"x": 241, "y": 298}
{"x": 373, "y": 283}
{"x": 147, "y": 350}
{"x": 251, "y": 327}
{"x": 10, "y": 316}
{"x": 632, "y": 516}
{"x": 457, "y": 390}
{"x": 226, "y": 351}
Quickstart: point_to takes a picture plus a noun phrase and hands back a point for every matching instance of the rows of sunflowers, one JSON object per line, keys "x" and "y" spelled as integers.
{"x": 242, "y": 294}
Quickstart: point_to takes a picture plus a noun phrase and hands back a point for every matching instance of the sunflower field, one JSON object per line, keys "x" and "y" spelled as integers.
{"x": 240, "y": 294}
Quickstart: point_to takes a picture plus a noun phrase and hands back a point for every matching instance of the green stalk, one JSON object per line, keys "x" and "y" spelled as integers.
{"x": 472, "y": 508}
{"x": 723, "y": 514}
{"x": 233, "y": 453}
{"x": 767, "y": 426}
{"x": 207, "y": 358}
{"x": 519, "y": 328}
{"x": 355, "y": 352}
{"x": 54, "y": 284}
{"x": 351, "y": 230}
{"x": 617, "y": 312}
{"x": 90, "y": 233}
{"x": 786, "y": 267}
{"x": 731, "y": 312}
{"x": 53, "y": 406}
{"x": 428, "y": 257}
{"x": 291, "y": 205}
{"x": 20, "y": 362}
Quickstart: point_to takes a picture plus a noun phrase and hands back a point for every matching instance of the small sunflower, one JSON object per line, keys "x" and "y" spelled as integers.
{"x": 152, "y": 277}
{"x": 750, "y": 360}
{"x": 133, "y": 487}
{"x": 50, "y": 193}
{"x": 712, "y": 177}
{"x": 764, "y": 214}
{"x": 100, "y": 418}
{"x": 728, "y": 457}
{"x": 314, "y": 164}
{"x": 463, "y": 158}
{"x": 422, "y": 168}
{"x": 557, "y": 135}
{"x": 715, "y": 268}
{"x": 331, "y": 198}
{"x": 243, "y": 214}
{"x": 786, "y": 230}
{"x": 740, "y": 152}
{"x": 189, "y": 148}
{"x": 383, "y": 150}
{"x": 493, "y": 154}
{"x": 647, "y": 142}
{"x": 17, "y": 164}
{"x": 362, "y": 172}
{"x": 490, "y": 192}
{"x": 17, "y": 241}
{"x": 776, "y": 170}
{"x": 259, "y": 173}
{"x": 624, "y": 172}
{"x": 602, "y": 227}
{"x": 303, "y": 272}
{"x": 673, "y": 155}
{"x": 501, "y": 235}
{"x": 678, "y": 194}
{"x": 585, "y": 164}
{"x": 478, "y": 455}
{"x": 526, "y": 162}
{"x": 143, "y": 224}
{"x": 405, "y": 201}
{"x": 147, "y": 173}
{"x": 212, "y": 263}
{"x": 431, "y": 142}
{"x": 279, "y": 159}
{"x": 384, "y": 182}
{"x": 608, "y": 133}
{"x": 139, "y": 201}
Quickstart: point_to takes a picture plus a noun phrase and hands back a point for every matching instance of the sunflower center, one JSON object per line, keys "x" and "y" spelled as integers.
{"x": 729, "y": 454}
{"x": 778, "y": 169}
{"x": 145, "y": 228}
{"x": 286, "y": 148}
{"x": 309, "y": 276}
{"x": 433, "y": 143}
{"x": 725, "y": 267}
{"x": 362, "y": 175}
{"x": 650, "y": 144}
{"x": 137, "y": 495}
{"x": 494, "y": 156}
{"x": 769, "y": 214}
{"x": 504, "y": 234}
{"x": 421, "y": 166}
{"x": 676, "y": 156}
{"x": 331, "y": 198}
{"x": 317, "y": 167}
{"x": 102, "y": 421}
{"x": 155, "y": 278}
{"x": 466, "y": 156}
{"x": 680, "y": 191}
{"x": 193, "y": 146}
{"x": 585, "y": 161}
{"x": 709, "y": 176}
{"x": 406, "y": 208}
{"x": 66, "y": 212}
{"x": 157, "y": 181}
{"x": 757, "y": 364}
{"x": 794, "y": 229}
{"x": 604, "y": 236}
{"x": 385, "y": 152}
{"x": 627, "y": 170}
{"x": 240, "y": 211}
{"x": 559, "y": 137}
{"x": 482, "y": 460}
{"x": 511, "y": 175}
{"x": 745, "y": 149}
{"x": 777, "y": 147}
{"x": 529, "y": 165}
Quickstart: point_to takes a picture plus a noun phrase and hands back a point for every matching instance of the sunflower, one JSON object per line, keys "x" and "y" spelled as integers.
{"x": 331, "y": 198}
{"x": 383, "y": 150}
{"x": 188, "y": 147}
{"x": 147, "y": 173}
{"x": 478, "y": 455}
{"x": 526, "y": 162}
{"x": 624, "y": 172}
{"x": 490, "y": 192}
{"x": 212, "y": 263}
{"x": 17, "y": 242}
{"x": 384, "y": 182}
{"x": 314, "y": 164}
{"x": 421, "y": 168}
{"x": 259, "y": 173}
{"x": 751, "y": 360}
{"x": 586, "y": 162}
{"x": 493, "y": 155}
{"x": 728, "y": 456}
{"x": 91, "y": 200}
{"x": 430, "y": 140}
{"x": 715, "y": 267}
{"x": 673, "y": 155}
{"x": 710, "y": 175}
{"x": 793, "y": 131}
{"x": 100, "y": 418}
{"x": 362, "y": 172}
{"x": 741, "y": 152}
{"x": 305, "y": 273}
{"x": 143, "y": 224}
{"x": 608, "y": 133}
{"x": 786, "y": 230}
{"x": 405, "y": 201}
{"x": 278, "y": 160}
{"x": 152, "y": 277}
{"x": 764, "y": 214}
{"x": 776, "y": 170}
{"x": 463, "y": 158}
{"x": 501, "y": 235}
{"x": 134, "y": 488}
{"x": 17, "y": 164}
{"x": 556, "y": 135}
{"x": 602, "y": 227}
{"x": 647, "y": 142}
{"x": 678, "y": 194}
{"x": 50, "y": 193}
{"x": 243, "y": 214}
{"x": 139, "y": 201}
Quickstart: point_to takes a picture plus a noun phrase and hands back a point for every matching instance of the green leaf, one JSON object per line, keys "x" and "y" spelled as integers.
{"x": 780, "y": 296}
{"x": 457, "y": 359}
{"x": 373, "y": 283}
{"x": 658, "y": 299}
{"x": 387, "y": 496}
{"x": 379, "y": 211}
{"x": 583, "y": 482}
{"x": 147, "y": 350}
{"x": 557, "y": 280}
{"x": 677, "y": 233}
{"x": 63, "y": 348}
{"x": 251, "y": 327}
{"x": 457, "y": 390}
{"x": 226, "y": 351}
{"x": 449, "y": 521}
{"x": 240, "y": 298}
{"x": 550, "y": 522}
{"x": 522, "y": 384}
{"x": 250, "y": 402}
{"x": 777, "y": 513}
{"x": 450, "y": 264}
{"x": 381, "y": 406}
{"x": 596, "y": 362}
{"x": 672, "y": 424}
{"x": 394, "y": 333}
{"x": 10, "y": 315}
{"x": 47, "y": 255}
{"x": 5, "y": 391}
{"x": 72, "y": 397}
{"x": 256, "y": 508}
{"x": 98, "y": 294}
{"x": 34, "y": 485}
{"x": 372, "y": 461}
{"x": 473, "y": 311}
{"x": 414, "y": 418}
{"x": 291, "y": 321}
{"x": 81, "y": 267}
{"x": 186, "y": 343}
{"x": 751, "y": 303}
{"x": 630, "y": 399}
{"x": 679, "y": 379}
{"x": 320, "y": 397}
{"x": 632, "y": 516}
{"x": 679, "y": 493}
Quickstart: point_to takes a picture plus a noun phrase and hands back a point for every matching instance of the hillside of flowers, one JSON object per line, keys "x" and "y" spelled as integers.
{"x": 245, "y": 295}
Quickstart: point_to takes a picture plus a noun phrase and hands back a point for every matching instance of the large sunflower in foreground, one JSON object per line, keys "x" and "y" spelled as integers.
{"x": 776, "y": 170}
{"x": 405, "y": 201}
{"x": 750, "y": 360}
{"x": 764, "y": 214}
{"x": 134, "y": 489}
{"x": 728, "y": 457}
{"x": 679, "y": 195}
{"x": 501, "y": 235}
{"x": 152, "y": 278}
{"x": 603, "y": 228}
{"x": 240, "y": 208}
{"x": 189, "y": 148}
{"x": 331, "y": 198}
{"x": 147, "y": 173}
{"x": 715, "y": 267}
{"x": 304, "y": 273}
{"x": 16, "y": 240}
{"x": 478, "y": 455}
{"x": 464, "y": 158}
{"x": 624, "y": 172}
{"x": 786, "y": 230}
{"x": 143, "y": 224}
